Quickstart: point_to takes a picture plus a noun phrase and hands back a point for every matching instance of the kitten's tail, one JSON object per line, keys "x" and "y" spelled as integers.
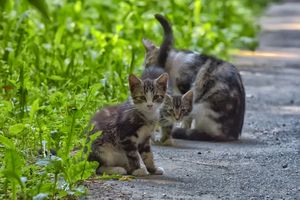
{"x": 167, "y": 43}
{"x": 194, "y": 134}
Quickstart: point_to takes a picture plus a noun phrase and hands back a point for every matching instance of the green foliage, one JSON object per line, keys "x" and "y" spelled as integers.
{"x": 60, "y": 60}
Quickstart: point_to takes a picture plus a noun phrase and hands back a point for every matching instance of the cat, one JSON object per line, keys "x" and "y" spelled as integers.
{"x": 127, "y": 128}
{"x": 175, "y": 109}
{"x": 218, "y": 91}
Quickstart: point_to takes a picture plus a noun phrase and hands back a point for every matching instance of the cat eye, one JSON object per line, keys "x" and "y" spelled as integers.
{"x": 185, "y": 111}
{"x": 170, "y": 110}
{"x": 156, "y": 97}
{"x": 140, "y": 98}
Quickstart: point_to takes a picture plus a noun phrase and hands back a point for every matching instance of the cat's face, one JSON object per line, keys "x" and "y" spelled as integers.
{"x": 148, "y": 95}
{"x": 152, "y": 52}
{"x": 176, "y": 108}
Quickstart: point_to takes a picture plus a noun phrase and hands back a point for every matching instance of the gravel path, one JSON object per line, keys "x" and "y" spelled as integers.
{"x": 264, "y": 163}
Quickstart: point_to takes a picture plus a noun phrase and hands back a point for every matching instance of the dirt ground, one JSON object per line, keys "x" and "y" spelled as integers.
{"x": 265, "y": 162}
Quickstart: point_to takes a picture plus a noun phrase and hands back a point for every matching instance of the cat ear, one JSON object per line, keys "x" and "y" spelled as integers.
{"x": 148, "y": 44}
{"x": 162, "y": 80}
{"x": 188, "y": 96}
{"x": 134, "y": 82}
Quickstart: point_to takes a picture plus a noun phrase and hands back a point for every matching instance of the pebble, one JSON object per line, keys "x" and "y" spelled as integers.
{"x": 284, "y": 166}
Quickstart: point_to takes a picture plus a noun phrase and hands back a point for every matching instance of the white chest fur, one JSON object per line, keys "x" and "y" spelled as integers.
{"x": 202, "y": 115}
{"x": 144, "y": 133}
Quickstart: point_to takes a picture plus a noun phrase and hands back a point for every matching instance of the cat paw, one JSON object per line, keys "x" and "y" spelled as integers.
{"x": 167, "y": 142}
{"x": 140, "y": 172}
{"x": 159, "y": 171}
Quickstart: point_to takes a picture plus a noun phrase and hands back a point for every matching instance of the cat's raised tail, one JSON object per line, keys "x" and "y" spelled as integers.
{"x": 167, "y": 43}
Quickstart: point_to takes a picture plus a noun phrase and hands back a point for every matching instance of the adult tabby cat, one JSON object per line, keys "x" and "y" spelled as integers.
{"x": 218, "y": 92}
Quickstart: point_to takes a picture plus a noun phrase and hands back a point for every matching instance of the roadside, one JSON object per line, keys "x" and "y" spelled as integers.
{"x": 265, "y": 163}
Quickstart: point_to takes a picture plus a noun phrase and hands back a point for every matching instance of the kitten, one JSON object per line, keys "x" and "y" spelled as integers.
{"x": 175, "y": 109}
{"x": 126, "y": 128}
{"x": 219, "y": 96}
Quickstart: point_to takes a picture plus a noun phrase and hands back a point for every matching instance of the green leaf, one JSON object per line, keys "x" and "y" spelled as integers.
{"x": 34, "y": 109}
{"x": 56, "y": 78}
{"x": 12, "y": 175}
{"x": 6, "y": 106}
{"x": 17, "y": 128}
{"x": 7, "y": 142}
{"x": 41, "y": 6}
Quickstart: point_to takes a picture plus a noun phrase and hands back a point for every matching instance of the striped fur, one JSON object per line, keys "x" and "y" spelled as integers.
{"x": 219, "y": 96}
{"x": 124, "y": 146}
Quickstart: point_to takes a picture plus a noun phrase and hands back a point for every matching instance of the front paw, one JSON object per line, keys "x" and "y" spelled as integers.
{"x": 168, "y": 142}
{"x": 140, "y": 172}
{"x": 159, "y": 171}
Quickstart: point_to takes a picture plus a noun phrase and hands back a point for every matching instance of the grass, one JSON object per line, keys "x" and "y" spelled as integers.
{"x": 62, "y": 60}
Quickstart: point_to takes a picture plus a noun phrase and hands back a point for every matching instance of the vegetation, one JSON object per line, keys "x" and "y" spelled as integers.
{"x": 61, "y": 60}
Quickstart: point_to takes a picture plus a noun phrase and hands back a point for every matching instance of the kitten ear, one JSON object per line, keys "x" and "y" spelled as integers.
{"x": 148, "y": 44}
{"x": 134, "y": 82}
{"x": 188, "y": 96}
{"x": 162, "y": 79}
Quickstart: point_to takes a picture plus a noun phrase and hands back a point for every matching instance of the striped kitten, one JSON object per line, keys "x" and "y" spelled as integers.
{"x": 218, "y": 92}
{"x": 175, "y": 109}
{"x": 127, "y": 128}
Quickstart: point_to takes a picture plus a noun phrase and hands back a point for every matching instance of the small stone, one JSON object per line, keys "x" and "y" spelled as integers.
{"x": 283, "y": 125}
{"x": 284, "y": 166}
{"x": 199, "y": 152}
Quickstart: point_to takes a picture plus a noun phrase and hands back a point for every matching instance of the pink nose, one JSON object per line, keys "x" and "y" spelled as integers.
{"x": 149, "y": 106}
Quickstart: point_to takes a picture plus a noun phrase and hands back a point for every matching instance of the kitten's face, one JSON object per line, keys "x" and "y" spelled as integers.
{"x": 176, "y": 108}
{"x": 148, "y": 95}
{"x": 151, "y": 55}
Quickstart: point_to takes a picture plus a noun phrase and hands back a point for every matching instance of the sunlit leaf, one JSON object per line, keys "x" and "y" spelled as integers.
{"x": 6, "y": 142}
{"x": 16, "y": 128}
{"x": 41, "y": 6}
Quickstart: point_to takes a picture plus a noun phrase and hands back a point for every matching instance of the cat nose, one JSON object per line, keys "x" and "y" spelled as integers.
{"x": 149, "y": 105}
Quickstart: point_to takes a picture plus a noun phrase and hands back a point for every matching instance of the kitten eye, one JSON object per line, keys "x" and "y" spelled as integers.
{"x": 185, "y": 111}
{"x": 143, "y": 98}
{"x": 156, "y": 97}
{"x": 140, "y": 98}
{"x": 170, "y": 110}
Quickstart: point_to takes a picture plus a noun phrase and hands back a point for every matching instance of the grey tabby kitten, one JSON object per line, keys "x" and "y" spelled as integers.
{"x": 218, "y": 91}
{"x": 127, "y": 128}
{"x": 175, "y": 109}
